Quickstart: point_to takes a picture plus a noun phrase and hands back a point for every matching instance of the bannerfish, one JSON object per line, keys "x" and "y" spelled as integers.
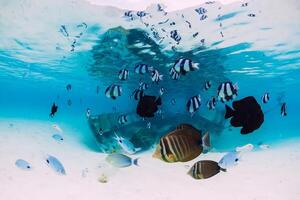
{"x": 23, "y": 164}
{"x": 53, "y": 110}
{"x": 201, "y": 10}
{"x": 143, "y": 86}
{"x": 181, "y": 145}
{"x": 205, "y": 169}
{"x": 137, "y": 94}
{"x": 211, "y": 104}
{"x": 161, "y": 91}
{"x": 57, "y": 137}
{"x": 69, "y": 87}
{"x": 113, "y": 91}
{"x": 227, "y": 91}
{"x": 230, "y": 160}
{"x": 184, "y": 65}
{"x": 122, "y": 119}
{"x": 283, "y": 110}
{"x": 207, "y": 85}
{"x": 55, "y": 164}
{"x": 156, "y": 76}
{"x": 246, "y": 113}
{"x": 148, "y": 105}
{"x": 174, "y": 75}
{"x": 120, "y": 160}
{"x": 123, "y": 74}
{"x": 175, "y": 35}
{"x": 265, "y": 98}
{"x": 126, "y": 145}
{"x": 143, "y": 68}
{"x": 193, "y": 104}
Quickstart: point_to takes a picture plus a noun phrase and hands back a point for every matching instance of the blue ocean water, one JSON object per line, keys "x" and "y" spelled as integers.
{"x": 37, "y": 62}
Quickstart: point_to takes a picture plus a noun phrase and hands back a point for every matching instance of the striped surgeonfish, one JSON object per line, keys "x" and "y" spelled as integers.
{"x": 265, "y": 98}
{"x": 193, "y": 104}
{"x": 123, "y": 74}
{"x": 184, "y": 65}
{"x": 181, "y": 145}
{"x": 143, "y": 68}
{"x": 113, "y": 91}
{"x": 227, "y": 91}
{"x": 205, "y": 169}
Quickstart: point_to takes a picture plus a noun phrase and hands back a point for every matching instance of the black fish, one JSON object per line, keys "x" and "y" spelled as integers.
{"x": 53, "y": 110}
{"x": 69, "y": 87}
{"x": 247, "y": 114}
{"x": 147, "y": 106}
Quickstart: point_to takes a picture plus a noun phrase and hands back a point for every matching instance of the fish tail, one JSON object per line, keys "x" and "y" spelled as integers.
{"x": 222, "y": 169}
{"x": 229, "y": 112}
{"x": 135, "y": 161}
{"x": 137, "y": 149}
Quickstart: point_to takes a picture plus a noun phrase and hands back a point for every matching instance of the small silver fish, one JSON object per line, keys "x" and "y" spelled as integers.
{"x": 22, "y": 164}
{"x": 57, "y": 137}
{"x": 55, "y": 164}
{"x": 121, "y": 160}
{"x": 229, "y": 160}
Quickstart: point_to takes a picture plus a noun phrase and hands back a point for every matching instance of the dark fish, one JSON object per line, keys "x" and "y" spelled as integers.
{"x": 265, "y": 98}
{"x": 246, "y": 113}
{"x": 201, "y": 10}
{"x": 227, "y": 91}
{"x": 69, "y": 87}
{"x": 189, "y": 23}
{"x": 205, "y": 169}
{"x": 251, "y": 15}
{"x": 184, "y": 65}
{"x": 122, "y": 119}
{"x": 283, "y": 110}
{"x": 147, "y": 106}
{"x": 175, "y": 36}
{"x": 193, "y": 104}
{"x": 53, "y": 110}
{"x": 141, "y": 13}
{"x": 244, "y": 4}
{"x": 181, "y": 145}
{"x": 195, "y": 34}
{"x": 143, "y": 68}
{"x": 203, "y": 17}
{"x": 211, "y": 104}
{"x": 113, "y": 91}
{"x": 137, "y": 94}
{"x": 64, "y": 31}
{"x": 123, "y": 74}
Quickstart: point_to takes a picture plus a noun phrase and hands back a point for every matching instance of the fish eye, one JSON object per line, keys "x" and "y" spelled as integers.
{"x": 236, "y": 160}
{"x": 120, "y": 141}
{"x": 47, "y": 161}
{"x": 28, "y": 167}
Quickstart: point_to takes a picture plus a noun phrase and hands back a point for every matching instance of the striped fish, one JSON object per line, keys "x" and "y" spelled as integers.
{"x": 211, "y": 104}
{"x": 265, "y": 98}
{"x": 201, "y": 10}
{"x": 193, "y": 104}
{"x": 141, "y": 13}
{"x": 175, "y": 36}
{"x": 205, "y": 169}
{"x": 143, "y": 68}
{"x": 174, "y": 75}
{"x": 207, "y": 85}
{"x": 122, "y": 119}
{"x": 113, "y": 91}
{"x": 283, "y": 110}
{"x": 184, "y": 65}
{"x": 143, "y": 86}
{"x": 227, "y": 91}
{"x": 155, "y": 76}
{"x": 203, "y": 17}
{"x": 123, "y": 74}
{"x": 137, "y": 94}
{"x": 161, "y": 91}
{"x": 181, "y": 145}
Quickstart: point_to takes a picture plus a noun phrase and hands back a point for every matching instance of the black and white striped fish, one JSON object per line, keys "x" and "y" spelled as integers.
{"x": 161, "y": 91}
{"x": 201, "y": 10}
{"x": 143, "y": 86}
{"x": 283, "y": 110}
{"x": 113, "y": 91}
{"x": 265, "y": 98}
{"x": 137, "y": 94}
{"x": 155, "y": 76}
{"x": 193, "y": 104}
{"x": 143, "y": 69}
{"x": 184, "y": 65}
{"x": 122, "y": 119}
{"x": 174, "y": 75}
{"x": 211, "y": 104}
{"x": 207, "y": 85}
{"x": 175, "y": 36}
{"x": 141, "y": 13}
{"x": 128, "y": 14}
{"x": 227, "y": 91}
{"x": 251, "y": 15}
{"x": 203, "y": 17}
{"x": 123, "y": 74}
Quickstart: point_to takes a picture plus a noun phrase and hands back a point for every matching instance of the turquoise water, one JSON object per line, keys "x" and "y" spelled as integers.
{"x": 36, "y": 64}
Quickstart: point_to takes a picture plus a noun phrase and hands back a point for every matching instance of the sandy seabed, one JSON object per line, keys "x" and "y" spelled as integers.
{"x": 272, "y": 174}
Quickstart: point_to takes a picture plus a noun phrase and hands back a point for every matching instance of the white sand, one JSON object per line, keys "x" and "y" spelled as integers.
{"x": 263, "y": 175}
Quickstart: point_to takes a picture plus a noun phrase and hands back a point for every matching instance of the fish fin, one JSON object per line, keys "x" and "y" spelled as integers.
{"x": 161, "y": 77}
{"x": 135, "y": 162}
{"x": 206, "y": 141}
{"x": 229, "y": 112}
{"x": 158, "y": 101}
{"x": 196, "y": 65}
{"x": 137, "y": 149}
{"x": 222, "y": 169}
{"x": 157, "y": 154}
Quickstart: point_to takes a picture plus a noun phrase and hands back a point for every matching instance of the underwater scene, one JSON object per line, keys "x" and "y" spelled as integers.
{"x": 171, "y": 101}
